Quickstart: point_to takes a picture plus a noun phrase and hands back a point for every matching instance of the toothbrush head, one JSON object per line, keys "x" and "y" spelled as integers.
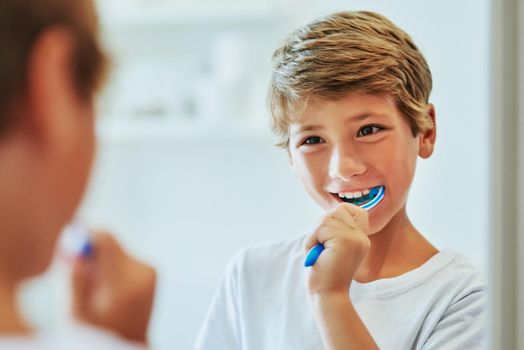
{"x": 75, "y": 241}
{"x": 376, "y": 195}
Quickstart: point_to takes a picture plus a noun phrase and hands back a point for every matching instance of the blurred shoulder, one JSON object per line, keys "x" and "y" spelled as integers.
{"x": 74, "y": 335}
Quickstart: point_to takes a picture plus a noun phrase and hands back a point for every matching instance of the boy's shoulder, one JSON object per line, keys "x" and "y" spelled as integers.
{"x": 461, "y": 270}
{"x": 451, "y": 271}
{"x": 263, "y": 258}
{"x": 274, "y": 250}
{"x": 447, "y": 274}
{"x": 73, "y": 335}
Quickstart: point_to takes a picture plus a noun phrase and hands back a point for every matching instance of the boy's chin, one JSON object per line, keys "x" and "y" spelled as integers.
{"x": 374, "y": 231}
{"x": 381, "y": 221}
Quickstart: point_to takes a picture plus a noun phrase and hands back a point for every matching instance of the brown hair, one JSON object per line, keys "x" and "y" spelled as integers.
{"x": 345, "y": 52}
{"x": 22, "y": 21}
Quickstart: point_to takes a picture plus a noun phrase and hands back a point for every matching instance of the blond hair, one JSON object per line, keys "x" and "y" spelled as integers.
{"x": 346, "y": 52}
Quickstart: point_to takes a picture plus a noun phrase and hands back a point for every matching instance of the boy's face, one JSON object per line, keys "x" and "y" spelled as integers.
{"x": 354, "y": 144}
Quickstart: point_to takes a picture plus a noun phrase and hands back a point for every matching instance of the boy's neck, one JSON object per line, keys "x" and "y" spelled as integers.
{"x": 11, "y": 321}
{"x": 395, "y": 250}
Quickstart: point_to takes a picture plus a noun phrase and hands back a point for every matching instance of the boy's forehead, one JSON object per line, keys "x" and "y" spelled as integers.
{"x": 353, "y": 107}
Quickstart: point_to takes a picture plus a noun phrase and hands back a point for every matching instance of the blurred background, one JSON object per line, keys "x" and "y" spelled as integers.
{"x": 187, "y": 171}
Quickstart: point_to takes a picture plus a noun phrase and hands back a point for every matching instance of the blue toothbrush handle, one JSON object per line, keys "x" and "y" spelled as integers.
{"x": 313, "y": 255}
{"x": 86, "y": 250}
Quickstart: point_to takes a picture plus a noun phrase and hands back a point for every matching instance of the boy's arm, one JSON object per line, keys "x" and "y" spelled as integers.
{"x": 462, "y": 326}
{"x": 340, "y": 324}
{"x": 343, "y": 232}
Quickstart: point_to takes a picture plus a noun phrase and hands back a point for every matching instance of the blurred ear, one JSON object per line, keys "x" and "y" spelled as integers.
{"x": 51, "y": 92}
{"x": 428, "y": 138}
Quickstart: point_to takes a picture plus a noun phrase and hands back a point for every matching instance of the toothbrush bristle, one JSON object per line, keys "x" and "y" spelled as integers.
{"x": 369, "y": 198}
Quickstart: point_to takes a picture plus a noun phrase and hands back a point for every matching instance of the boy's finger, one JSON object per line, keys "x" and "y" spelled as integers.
{"x": 106, "y": 260}
{"x": 329, "y": 227}
{"x": 81, "y": 288}
{"x": 354, "y": 215}
{"x": 106, "y": 249}
{"x": 310, "y": 241}
{"x": 334, "y": 230}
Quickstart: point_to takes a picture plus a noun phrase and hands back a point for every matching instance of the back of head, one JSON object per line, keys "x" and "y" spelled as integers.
{"x": 42, "y": 165}
{"x": 349, "y": 52}
{"x": 21, "y": 23}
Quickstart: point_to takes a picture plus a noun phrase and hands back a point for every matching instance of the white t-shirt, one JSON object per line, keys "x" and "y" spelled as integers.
{"x": 71, "y": 337}
{"x": 262, "y": 303}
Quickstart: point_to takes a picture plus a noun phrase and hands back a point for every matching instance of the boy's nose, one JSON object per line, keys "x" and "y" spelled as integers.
{"x": 344, "y": 165}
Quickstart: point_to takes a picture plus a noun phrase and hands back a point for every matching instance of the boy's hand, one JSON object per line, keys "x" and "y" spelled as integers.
{"x": 113, "y": 290}
{"x": 344, "y": 234}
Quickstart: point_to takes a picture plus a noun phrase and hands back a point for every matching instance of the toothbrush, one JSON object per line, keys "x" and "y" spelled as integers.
{"x": 75, "y": 240}
{"x": 376, "y": 194}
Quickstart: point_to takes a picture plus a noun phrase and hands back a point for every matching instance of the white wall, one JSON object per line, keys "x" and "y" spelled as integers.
{"x": 186, "y": 201}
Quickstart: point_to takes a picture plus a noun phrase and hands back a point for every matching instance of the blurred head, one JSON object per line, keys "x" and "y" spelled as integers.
{"x": 50, "y": 68}
{"x": 348, "y": 52}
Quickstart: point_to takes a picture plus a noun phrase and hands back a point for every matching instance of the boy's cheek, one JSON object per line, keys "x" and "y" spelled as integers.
{"x": 310, "y": 173}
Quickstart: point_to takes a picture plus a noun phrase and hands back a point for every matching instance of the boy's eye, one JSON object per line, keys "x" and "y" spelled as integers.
{"x": 368, "y": 130}
{"x": 313, "y": 140}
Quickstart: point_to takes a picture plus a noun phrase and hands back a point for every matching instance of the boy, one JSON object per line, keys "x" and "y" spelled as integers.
{"x": 349, "y": 99}
{"x": 51, "y": 65}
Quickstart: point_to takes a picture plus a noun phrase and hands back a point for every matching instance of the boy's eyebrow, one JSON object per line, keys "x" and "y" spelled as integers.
{"x": 358, "y": 117}
{"x": 361, "y": 117}
{"x": 366, "y": 115}
{"x": 308, "y": 128}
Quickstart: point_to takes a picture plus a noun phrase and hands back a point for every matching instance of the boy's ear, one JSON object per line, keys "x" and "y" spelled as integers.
{"x": 51, "y": 91}
{"x": 427, "y": 139}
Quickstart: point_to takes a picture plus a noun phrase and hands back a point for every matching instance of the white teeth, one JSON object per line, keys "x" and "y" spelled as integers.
{"x": 356, "y": 194}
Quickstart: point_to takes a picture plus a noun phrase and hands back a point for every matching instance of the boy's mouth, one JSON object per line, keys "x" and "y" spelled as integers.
{"x": 361, "y": 198}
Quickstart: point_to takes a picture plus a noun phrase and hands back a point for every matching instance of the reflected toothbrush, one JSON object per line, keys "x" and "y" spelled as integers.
{"x": 367, "y": 202}
{"x": 75, "y": 241}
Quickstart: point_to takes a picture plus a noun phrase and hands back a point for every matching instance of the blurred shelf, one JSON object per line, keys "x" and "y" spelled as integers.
{"x": 123, "y": 130}
{"x": 169, "y": 14}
